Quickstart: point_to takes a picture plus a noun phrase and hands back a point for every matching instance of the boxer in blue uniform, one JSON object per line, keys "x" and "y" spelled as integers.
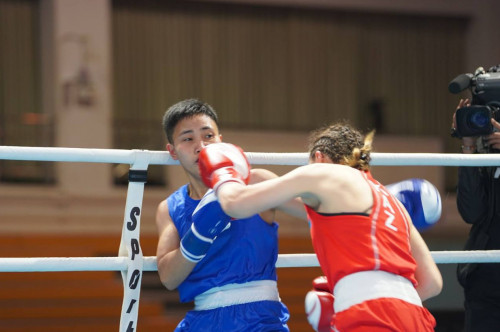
{"x": 234, "y": 284}
{"x": 227, "y": 267}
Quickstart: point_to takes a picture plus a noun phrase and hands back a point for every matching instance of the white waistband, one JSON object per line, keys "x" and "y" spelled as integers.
{"x": 232, "y": 294}
{"x": 369, "y": 285}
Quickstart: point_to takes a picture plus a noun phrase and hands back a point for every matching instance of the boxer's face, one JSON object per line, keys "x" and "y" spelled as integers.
{"x": 190, "y": 136}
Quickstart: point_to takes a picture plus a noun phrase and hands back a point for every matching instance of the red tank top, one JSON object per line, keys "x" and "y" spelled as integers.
{"x": 346, "y": 243}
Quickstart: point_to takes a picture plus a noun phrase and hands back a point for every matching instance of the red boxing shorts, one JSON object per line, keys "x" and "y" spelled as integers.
{"x": 382, "y": 315}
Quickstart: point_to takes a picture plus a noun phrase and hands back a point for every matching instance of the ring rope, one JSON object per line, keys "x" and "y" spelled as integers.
{"x": 256, "y": 158}
{"x": 71, "y": 264}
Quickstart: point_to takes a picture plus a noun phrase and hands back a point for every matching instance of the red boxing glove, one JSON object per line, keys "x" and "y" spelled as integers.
{"x": 223, "y": 162}
{"x": 319, "y": 305}
{"x": 321, "y": 284}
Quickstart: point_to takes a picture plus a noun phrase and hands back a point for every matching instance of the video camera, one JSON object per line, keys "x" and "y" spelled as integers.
{"x": 475, "y": 120}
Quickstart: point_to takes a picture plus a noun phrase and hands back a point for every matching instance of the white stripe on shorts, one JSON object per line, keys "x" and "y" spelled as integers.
{"x": 232, "y": 294}
{"x": 370, "y": 285}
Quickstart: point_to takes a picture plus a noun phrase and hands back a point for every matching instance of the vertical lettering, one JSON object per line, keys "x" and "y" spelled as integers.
{"x": 131, "y": 225}
{"x": 131, "y": 305}
{"x": 136, "y": 249}
{"x": 134, "y": 279}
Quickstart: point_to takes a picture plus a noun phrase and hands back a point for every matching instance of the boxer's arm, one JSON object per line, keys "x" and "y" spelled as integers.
{"x": 241, "y": 201}
{"x": 293, "y": 207}
{"x": 173, "y": 268}
{"x": 222, "y": 167}
{"x": 430, "y": 281}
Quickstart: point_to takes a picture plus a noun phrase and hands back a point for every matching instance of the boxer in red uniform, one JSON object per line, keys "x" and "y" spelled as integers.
{"x": 422, "y": 201}
{"x": 377, "y": 265}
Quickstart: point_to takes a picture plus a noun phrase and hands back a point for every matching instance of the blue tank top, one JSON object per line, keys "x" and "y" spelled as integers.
{"x": 246, "y": 251}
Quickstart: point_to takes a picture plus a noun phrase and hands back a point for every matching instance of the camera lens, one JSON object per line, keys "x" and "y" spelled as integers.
{"x": 474, "y": 120}
{"x": 479, "y": 119}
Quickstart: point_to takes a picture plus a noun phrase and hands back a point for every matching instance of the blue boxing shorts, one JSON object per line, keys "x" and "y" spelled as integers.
{"x": 257, "y": 316}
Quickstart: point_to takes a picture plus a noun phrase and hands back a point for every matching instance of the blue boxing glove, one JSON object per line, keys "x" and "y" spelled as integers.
{"x": 209, "y": 220}
{"x": 421, "y": 199}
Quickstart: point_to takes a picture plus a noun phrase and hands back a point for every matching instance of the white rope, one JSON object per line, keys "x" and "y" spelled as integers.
{"x": 63, "y": 264}
{"x": 68, "y": 264}
{"x": 255, "y": 158}
{"x": 385, "y": 159}
{"x": 115, "y": 156}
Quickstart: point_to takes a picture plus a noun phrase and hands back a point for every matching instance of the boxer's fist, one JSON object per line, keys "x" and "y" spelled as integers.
{"x": 209, "y": 220}
{"x": 223, "y": 162}
{"x": 319, "y": 305}
{"x": 321, "y": 284}
{"x": 421, "y": 199}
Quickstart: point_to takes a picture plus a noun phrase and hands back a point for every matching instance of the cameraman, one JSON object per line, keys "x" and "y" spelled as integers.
{"x": 478, "y": 201}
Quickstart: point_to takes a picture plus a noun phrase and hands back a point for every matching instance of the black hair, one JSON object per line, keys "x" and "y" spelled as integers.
{"x": 185, "y": 109}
